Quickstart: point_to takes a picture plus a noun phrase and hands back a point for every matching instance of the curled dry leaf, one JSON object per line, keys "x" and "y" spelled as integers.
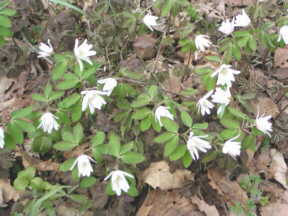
{"x": 278, "y": 167}
{"x": 144, "y": 46}
{"x": 165, "y": 203}
{"x": 7, "y": 193}
{"x": 281, "y": 58}
{"x": 158, "y": 175}
{"x": 265, "y": 105}
{"x": 230, "y": 190}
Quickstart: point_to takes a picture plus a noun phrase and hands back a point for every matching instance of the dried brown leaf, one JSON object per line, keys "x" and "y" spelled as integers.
{"x": 158, "y": 175}
{"x": 278, "y": 167}
{"x": 204, "y": 207}
{"x": 7, "y": 192}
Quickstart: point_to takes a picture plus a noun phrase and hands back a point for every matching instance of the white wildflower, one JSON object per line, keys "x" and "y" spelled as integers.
{"x": 196, "y": 144}
{"x": 225, "y": 75}
{"x": 150, "y": 21}
{"x": 163, "y": 111}
{"x": 119, "y": 182}
{"x": 202, "y": 42}
{"x": 2, "y": 138}
{"x": 48, "y": 122}
{"x": 227, "y": 27}
{"x": 84, "y": 165}
{"x": 263, "y": 124}
{"x": 109, "y": 85}
{"x": 283, "y": 34}
{"x": 232, "y": 147}
{"x": 204, "y": 105}
{"x": 242, "y": 20}
{"x": 83, "y": 53}
{"x": 93, "y": 100}
{"x": 45, "y": 50}
{"x": 221, "y": 97}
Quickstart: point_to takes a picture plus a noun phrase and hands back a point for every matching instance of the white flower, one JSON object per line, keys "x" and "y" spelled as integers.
{"x": 232, "y": 147}
{"x": 93, "y": 100}
{"x": 202, "y": 42}
{"x": 83, "y": 52}
{"x": 283, "y": 34}
{"x": 119, "y": 182}
{"x": 45, "y": 50}
{"x": 225, "y": 75}
{"x": 204, "y": 105}
{"x": 2, "y": 138}
{"x": 226, "y": 27}
{"x": 150, "y": 21}
{"x": 163, "y": 111}
{"x": 242, "y": 20}
{"x": 48, "y": 122}
{"x": 84, "y": 165}
{"x": 109, "y": 85}
{"x": 195, "y": 144}
{"x": 263, "y": 124}
{"x": 221, "y": 96}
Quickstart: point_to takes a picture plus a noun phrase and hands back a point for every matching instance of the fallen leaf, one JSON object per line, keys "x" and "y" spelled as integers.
{"x": 173, "y": 84}
{"x": 278, "y": 167}
{"x": 144, "y": 46}
{"x": 265, "y": 106}
{"x": 7, "y": 193}
{"x": 279, "y": 208}
{"x": 167, "y": 203}
{"x": 240, "y": 2}
{"x": 204, "y": 207}
{"x": 158, "y": 175}
{"x": 281, "y": 58}
{"x": 230, "y": 190}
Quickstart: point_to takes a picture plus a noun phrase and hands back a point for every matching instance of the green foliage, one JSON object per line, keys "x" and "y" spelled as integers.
{"x": 5, "y": 21}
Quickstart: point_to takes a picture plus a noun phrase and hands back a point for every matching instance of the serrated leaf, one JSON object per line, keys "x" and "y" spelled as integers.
{"x": 70, "y": 101}
{"x": 141, "y": 100}
{"x": 56, "y": 95}
{"x": 187, "y": 159}
{"x": 59, "y": 69}
{"x": 22, "y": 113}
{"x": 238, "y": 113}
{"x": 64, "y": 146}
{"x": 39, "y": 97}
{"x": 66, "y": 166}
{"x": 141, "y": 113}
{"x": 126, "y": 148}
{"x": 200, "y": 125}
{"x": 25, "y": 126}
{"x": 88, "y": 182}
{"x": 146, "y": 123}
{"x": 98, "y": 139}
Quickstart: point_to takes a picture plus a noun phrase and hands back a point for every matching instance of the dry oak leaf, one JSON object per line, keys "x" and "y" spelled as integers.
{"x": 230, "y": 190}
{"x": 7, "y": 192}
{"x": 158, "y": 175}
{"x": 168, "y": 203}
{"x": 279, "y": 208}
{"x": 204, "y": 207}
{"x": 278, "y": 167}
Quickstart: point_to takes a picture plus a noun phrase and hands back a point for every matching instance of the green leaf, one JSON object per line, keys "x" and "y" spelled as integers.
{"x": 229, "y": 122}
{"x": 15, "y": 132}
{"x": 59, "y": 69}
{"x": 200, "y": 125}
{"x": 21, "y": 183}
{"x": 249, "y": 142}
{"x": 170, "y": 125}
{"x": 76, "y": 112}
{"x": 187, "y": 159}
{"x": 78, "y": 133}
{"x": 229, "y": 133}
{"x": 164, "y": 137}
{"x": 28, "y": 173}
{"x": 252, "y": 44}
{"x": 127, "y": 147}
{"x": 141, "y": 113}
{"x": 5, "y": 32}
{"x": 171, "y": 146}
{"x": 68, "y": 5}
{"x": 238, "y": 113}
{"x": 8, "y": 12}
{"x": 56, "y": 95}
{"x": 178, "y": 153}
{"x": 39, "y": 97}
{"x": 167, "y": 6}
{"x": 141, "y": 100}
{"x": 42, "y": 144}
{"x": 88, "y": 182}
{"x": 133, "y": 191}
{"x": 132, "y": 158}
{"x": 66, "y": 166}
{"x": 22, "y": 113}
{"x": 98, "y": 139}
{"x": 69, "y": 101}
{"x": 153, "y": 91}
{"x": 70, "y": 81}
{"x": 213, "y": 59}
{"x": 146, "y": 123}
{"x": 64, "y": 146}
{"x": 25, "y": 125}
{"x": 67, "y": 135}
{"x": 5, "y": 21}
{"x": 186, "y": 119}
{"x": 114, "y": 145}
{"x": 209, "y": 82}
